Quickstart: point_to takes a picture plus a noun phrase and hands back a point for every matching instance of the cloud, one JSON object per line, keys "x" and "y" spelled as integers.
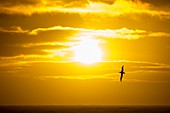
{"x": 11, "y": 3}
{"x": 68, "y": 3}
{"x": 135, "y": 70}
{"x": 158, "y": 3}
{"x": 12, "y": 50}
{"x": 32, "y": 49}
{"x": 144, "y": 81}
{"x": 99, "y": 7}
{"x": 58, "y": 42}
{"x": 110, "y": 2}
{"x": 39, "y": 6}
{"x": 84, "y": 77}
{"x": 78, "y": 32}
{"x": 55, "y": 28}
{"x": 16, "y": 41}
{"x": 159, "y": 34}
{"x": 117, "y": 33}
{"x": 18, "y": 36}
{"x": 126, "y": 7}
{"x": 30, "y": 58}
{"x": 107, "y": 33}
{"x": 14, "y": 29}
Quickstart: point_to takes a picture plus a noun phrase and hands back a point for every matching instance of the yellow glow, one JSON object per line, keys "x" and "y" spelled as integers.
{"x": 118, "y": 8}
{"x": 88, "y": 51}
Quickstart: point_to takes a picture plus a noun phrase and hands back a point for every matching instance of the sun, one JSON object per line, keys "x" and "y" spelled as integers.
{"x": 88, "y": 51}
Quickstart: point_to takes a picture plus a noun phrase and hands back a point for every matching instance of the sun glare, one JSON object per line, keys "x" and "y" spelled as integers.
{"x": 88, "y": 52}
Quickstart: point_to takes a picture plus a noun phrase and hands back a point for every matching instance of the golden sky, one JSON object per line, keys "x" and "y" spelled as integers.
{"x": 69, "y": 52}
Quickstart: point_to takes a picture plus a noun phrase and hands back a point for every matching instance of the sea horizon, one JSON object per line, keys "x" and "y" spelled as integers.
{"x": 85, "y": 109}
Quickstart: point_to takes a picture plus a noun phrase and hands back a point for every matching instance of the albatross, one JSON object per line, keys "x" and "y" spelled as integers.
{"x": 121, "y": 72}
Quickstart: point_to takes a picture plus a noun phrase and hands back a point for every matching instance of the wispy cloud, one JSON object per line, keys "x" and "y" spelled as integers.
{"x": 82, "y": 77}
{"x": 144, "y": 81}
{"x": 105, "y": 70}
{"x": 35, "y": 31}
{"x": 109, "y": 33}
{"x": 14, "y": 29}
{"x": 159, "y": 34}
{"x": 102, "y": 77}
{"x": 110, "y": 7}
{"x": 60, "y": 46}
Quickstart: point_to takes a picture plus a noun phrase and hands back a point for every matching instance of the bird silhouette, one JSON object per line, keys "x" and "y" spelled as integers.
{"x": 121, "y": 72}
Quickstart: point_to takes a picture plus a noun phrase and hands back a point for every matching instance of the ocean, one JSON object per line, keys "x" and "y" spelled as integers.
{"x": 84, "y": 109}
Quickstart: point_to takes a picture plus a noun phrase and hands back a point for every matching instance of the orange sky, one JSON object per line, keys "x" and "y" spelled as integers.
{"x": 69, "y": 52}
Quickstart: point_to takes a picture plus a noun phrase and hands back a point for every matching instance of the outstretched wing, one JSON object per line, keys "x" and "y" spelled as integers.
{"x": 121, "y": 76}
{"x": 122, "y": 68}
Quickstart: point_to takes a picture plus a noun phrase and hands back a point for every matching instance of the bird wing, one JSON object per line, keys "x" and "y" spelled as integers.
{"x": 121, "y": 76}
{"x": 122, "y": 68}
